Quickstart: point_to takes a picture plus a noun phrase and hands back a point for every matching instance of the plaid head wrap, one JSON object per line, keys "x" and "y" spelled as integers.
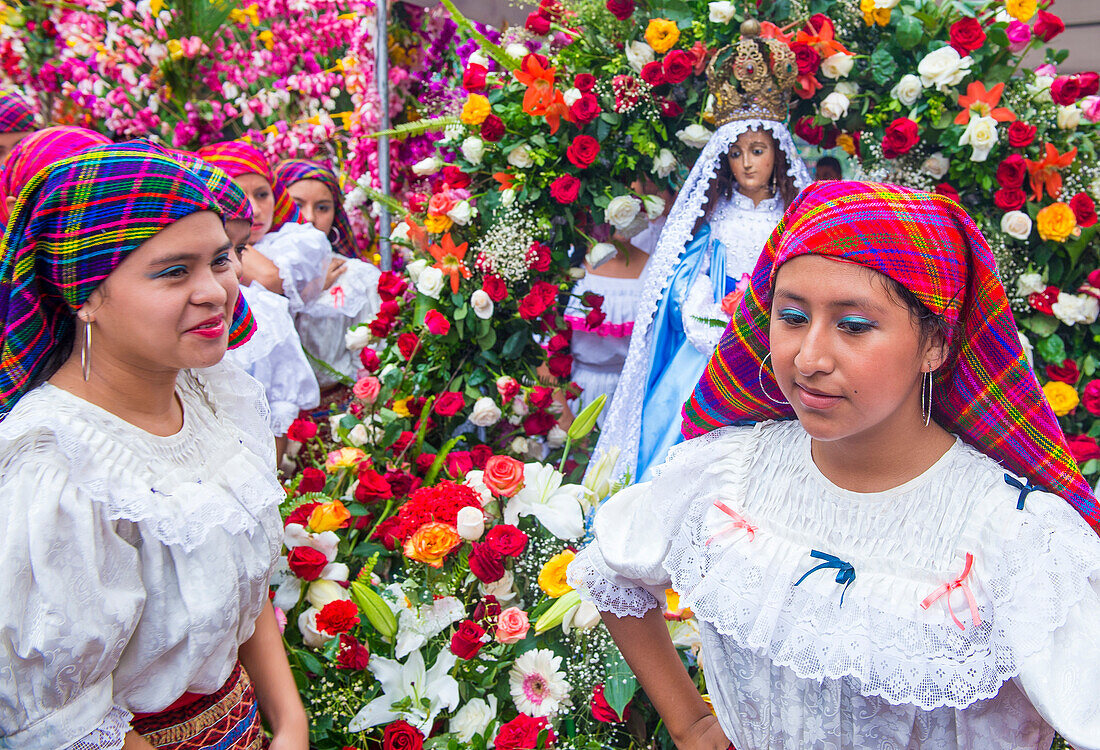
{"x": 16, "y": 113}
{"x": 294, "y": 170}
{"x": 986, "y": 393}
{"x": 74, "y": 223}
{"x": 236, "y": 158}
{"x": 38, "y": 151}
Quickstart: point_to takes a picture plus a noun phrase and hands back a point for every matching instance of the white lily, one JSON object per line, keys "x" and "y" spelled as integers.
{"x": 421, "y": 693}
{"x": 597, "y": 480}
{"x": 556, "y": 507}
{"x": 417, "y": 624}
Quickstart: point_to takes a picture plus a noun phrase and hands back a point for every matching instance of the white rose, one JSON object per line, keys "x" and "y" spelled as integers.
{"x": 400, "y": 232}
{"x": 665, "y": 163}
{"x": 654, "y": 206}
{"x": 322, "y": 592}
{"x": 571, "y": 96}
{"x": 518, "y": 446}
{"x": 485, "y": 413}
{"x": 556, "y": 437}
{"x": 907, "y": 90}
{"x": 838, "y": 65}
{"x": 1069, "y": 117}
{"x": 431, "y": 282}
{"x": 835, "y": 106}
{"x": 461, "y": 213}
{"x": 886, "y": 4}
{"x": 638, "y": 54}
{"x": 1029, "y": 350}
{"x": 1030, "y": 283}
{"x": 936, "y": 165}
{"x": 1017, "y": 224}
{"x": 1076, "y": 308}
{"x": 507, "y": 197}
{"x": 576, "y": 273}
{"x": 520, "y": 157}
{"x": 482, "y": 304}
{"x": 516, "y": 50}
{"x": 478, "y": 58}
{"x": 307, "y": 624}
{"x": 848, "y": 88}
{"x": 427, "y": 166}
{"x": 414, "y": 269}
{"x": 356, "y": 338}
{"x": 473, "y": 149}
{"x": 501, "y": 589}
{"x": 622, "y": 210}
{"x": 694, "y": 135}
{"x": 473, "y": 718}
{"x": 475, "y": 480}
{"x": 721, "y": 12}
{"x": 357, "y": 435}
{"x": 943, "y": 68}
{"x": 470, "y": 523}
{"x": 584, "y": 616}
{"x": 1039, "y": 89}
{"x": 600, "y": 253}
{"x": 981, "y": 134}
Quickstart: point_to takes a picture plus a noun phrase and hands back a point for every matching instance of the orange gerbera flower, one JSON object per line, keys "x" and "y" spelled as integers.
{"x": 983, "y": 103}
{"x": 1044, "y": 173}
{"x": 450, "y": 260}
{"x": 540, "y": 85}
{"x": 822, "y": 41}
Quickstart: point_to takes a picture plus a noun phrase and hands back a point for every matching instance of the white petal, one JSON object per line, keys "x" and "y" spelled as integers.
{"x": 378, "y": 711}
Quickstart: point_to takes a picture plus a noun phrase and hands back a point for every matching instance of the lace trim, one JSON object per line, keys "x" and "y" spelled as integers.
{"x": 585, "y": 575}
{"x": 110, "y": 735}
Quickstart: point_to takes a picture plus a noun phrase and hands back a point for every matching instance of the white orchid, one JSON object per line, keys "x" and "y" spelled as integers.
{"x": 409, "y": 692}
{"x": 556, "y": 507}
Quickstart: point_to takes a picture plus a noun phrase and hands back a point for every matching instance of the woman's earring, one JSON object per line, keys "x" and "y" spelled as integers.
{"x": 775, "y": 183}
{"x": 760, "y": 382}
{"x": 926, "y": 400}
{"x": 334, "y": 240}
{"x": 86, "y": 352}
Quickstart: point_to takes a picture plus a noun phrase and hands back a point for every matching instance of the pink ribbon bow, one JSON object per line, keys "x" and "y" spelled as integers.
{"x": 337, "y": 293}
{"x": 738, "y": 522}
{"x": 958, "y": 583}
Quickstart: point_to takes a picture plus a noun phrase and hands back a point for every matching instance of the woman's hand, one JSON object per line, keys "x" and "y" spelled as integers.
{"x": 704, "y": 734}
{"x": 336, "y": 268}
{"x": 258, "y": 267}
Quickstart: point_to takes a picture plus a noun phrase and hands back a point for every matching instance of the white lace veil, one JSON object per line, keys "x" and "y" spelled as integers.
{"x": 622, "y": 428}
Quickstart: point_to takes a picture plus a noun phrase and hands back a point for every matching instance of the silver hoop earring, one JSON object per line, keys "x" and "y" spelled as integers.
{"x": 86, "y": 353}
{"x": 760, "y": 382}
{"x": 926, "y": 400}
{"x": 334, "y": 240}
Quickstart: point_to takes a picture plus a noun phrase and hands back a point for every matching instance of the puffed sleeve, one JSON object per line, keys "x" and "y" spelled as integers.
{"x": 302, "y": 254}
{"x": 72, "y": 595}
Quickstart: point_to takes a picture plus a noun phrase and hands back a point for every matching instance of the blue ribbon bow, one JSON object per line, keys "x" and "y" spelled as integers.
{"x": 1025, "y": 489}
{"x": 846, "y": 572}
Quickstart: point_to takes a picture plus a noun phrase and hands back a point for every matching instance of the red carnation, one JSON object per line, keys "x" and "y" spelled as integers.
{"x": 372, "y": 485}
{"x": 807, "y": 58}
{"x": 602, "y": 710}
{"x": 407, "y": 344}
{"x": 313, "y": 480}
{"x": 1089, "y": 83}
{"x": 467, "y": 639}
{"x": 495, "y": 287}
{"x": 1012, "y": 171}
{"x": 536, "y": 24}
{"x": 338, "y": 616}
{"x": 539, "y": 423}
{"x": 678, "y": 65}
{"x": 584, "y": 82}
{"x": 369, "y": 359}
{"x": 506, "y": 540}
{"x": 449, "y": 403}
{"x": 522, "y": 732}
{"x": 400, "y": 735}
{"x": 621, "y": 9}
{"x": 583, "y": 151}
{"x": 1090, "y": 397}
{"x": 560, "y": 365}
{"x": 486, "y": 564}
{"x": 1083, "y": 448}
{"x": 306, "y": 562}
{"x": 1020, "y": 134}
{"x": 805, "y": 129}
{"x": 565, "y": 189}
{"x": 492, "y": 128}
{"x": 585, "y": 109}
{"x": 1065, "y": 90}
{"x": 1047, "y": 26}
{"x": 1084, "y": 210}
{"x": 967, "y": 35}
{"x": 352, "y": 654}
{"x": 391, "y": 285}
{"x": 653, "y": 74}
{"x": 1009, "y": 199}
{"x": 473, "y": 78}
{"x": 301, "y": 514}
{"x": 901, "y": 135}
{"x": 1066, "y": 372}
{"x": 436, "y": 323}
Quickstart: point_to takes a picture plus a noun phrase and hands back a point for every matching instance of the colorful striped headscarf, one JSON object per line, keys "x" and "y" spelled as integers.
{"x": 986, "y": 394}
{"x": 236, "y": 158}
{"x": 74, "y": 223}
{"x": 295, "y": 170}
{"x": 16, "y": 113}
{"x": 38, "y": 151}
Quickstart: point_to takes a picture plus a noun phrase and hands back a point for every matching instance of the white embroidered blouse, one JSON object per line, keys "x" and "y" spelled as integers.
{"x": 132, "y": 566}
{"x": 731, "y": 521}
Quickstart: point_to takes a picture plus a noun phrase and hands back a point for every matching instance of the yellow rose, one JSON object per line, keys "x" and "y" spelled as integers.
{"x": 437, "y": 223}
{"x": 401, "y": 407}
{"x": 552, "y": 576}
{"x": 1056, "y": 222}
{"x": 475, "y": 110}
{"x": 329, "y": 517}
{"x": 1063, "y": 397}
{"x": 1021, "y": 10}
{"x": 873, "y": 15}
{"x": 847, "y": 143}
{"x": 662, "y": 35}
{"x": 345, "y": 458}
{"x": 431, "y": 543}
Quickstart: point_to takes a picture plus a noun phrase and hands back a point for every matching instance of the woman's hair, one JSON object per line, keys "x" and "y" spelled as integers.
{"x": 784, "y": 182}
{"x": 933, "y": 327}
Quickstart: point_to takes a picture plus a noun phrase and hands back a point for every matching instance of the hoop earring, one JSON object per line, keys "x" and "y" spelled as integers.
{"x": 926, "y": 401}
{"x": 86, "y": 352}
{"x": 760, "y": 382}
{"x": 334, "y": 240}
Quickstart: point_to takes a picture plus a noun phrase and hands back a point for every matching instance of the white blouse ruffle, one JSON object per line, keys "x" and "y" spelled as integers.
{"x": 132, "y": 566}
{"x": 302, "y": 254}
{"x": 788, "y": 666}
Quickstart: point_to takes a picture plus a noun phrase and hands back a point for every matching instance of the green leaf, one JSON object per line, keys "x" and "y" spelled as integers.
{"x": 883, "y": 65}
{"x": 515, "y": 344}
{"x": 909, "y": 33}
{"x": 309, "y": 662}
{"x": 620, "y": 684}
{"x": 488, "y": 339}
{"x": 1042, "y": 325}
{"x": 1052, "y": 349}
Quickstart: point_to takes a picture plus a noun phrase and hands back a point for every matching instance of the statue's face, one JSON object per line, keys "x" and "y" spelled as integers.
{"x": 752, "y": 158}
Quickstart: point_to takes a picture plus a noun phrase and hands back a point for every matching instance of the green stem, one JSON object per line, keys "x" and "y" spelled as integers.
{"x": 495, "y": 51}
{"x": 565, "y": 454}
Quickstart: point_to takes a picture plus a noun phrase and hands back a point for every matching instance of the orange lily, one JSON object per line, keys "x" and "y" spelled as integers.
{"x": 506, "y": 180}
{"x": 540, "y": 85}
{"x": 556, "y": 112}
{"x": 983, "y": 103}
{"x": 1044, "y": 173}
{"x": 417, "y": 234}
{"x": 449, "y": 260}
{"x": 769, "y": 30}
{"x": 822, "y": 41}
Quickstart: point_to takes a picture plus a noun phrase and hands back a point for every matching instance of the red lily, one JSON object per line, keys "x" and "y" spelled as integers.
{"x": 823, "y": 40}
{"x": 983, "y": 103}
{"x": 540, "y": 85}
{"x": 1044, "y": 173}
{"x": 450, "y": 260}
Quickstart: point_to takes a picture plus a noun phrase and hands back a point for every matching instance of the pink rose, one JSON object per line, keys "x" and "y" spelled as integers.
{"x": 437, "y": 323}
{"x": 366, "y": 389}
{"x": 512, "y": 625}
{"x": 1091, "y": 107}
{"x": 1019, "y": 36}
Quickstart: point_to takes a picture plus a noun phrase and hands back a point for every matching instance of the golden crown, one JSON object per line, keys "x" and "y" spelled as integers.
{"x": 752, "y": 79}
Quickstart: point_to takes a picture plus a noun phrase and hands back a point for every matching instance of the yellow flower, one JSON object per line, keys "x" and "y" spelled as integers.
{"x": 673, "y": 610}
{"x": 345, "y": 458}
{"x": 175, "y": 49}
{"x": 475, "y": 110}
{"x": 873, "y": 15}
{"x": 329, "y": 517}
{"x": 431, "y": 543}
{"x": 156, "y": 6}
{"x": 1063, "y": 397}
{"x": 1056, "y": 222}
{"x": 847, "y": 143}
{"x": 249, "y": 15}
{"x": 662, "y": 35}
{"x": 1021, "y": 10}
{"x": 552, "y": 576}
{"x": 401, "y": 407}
{"x": 267, "y": 38}
{"x": 437, "y": 223}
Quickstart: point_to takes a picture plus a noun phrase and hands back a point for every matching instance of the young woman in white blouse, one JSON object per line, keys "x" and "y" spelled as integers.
{"x": 138, "y": 501}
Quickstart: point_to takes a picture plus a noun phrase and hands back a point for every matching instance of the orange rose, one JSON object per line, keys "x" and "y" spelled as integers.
{"x": 431, "y": 543}
{"x": 662, "y": 35}
{"x": 503, "y": 476}
{"x": 328, "y": 517}
{"x": 1056, "y": 222}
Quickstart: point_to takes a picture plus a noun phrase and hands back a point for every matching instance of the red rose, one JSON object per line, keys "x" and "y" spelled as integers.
{"x": 389, "y": 533}
{"x": 591, "y": 299}
{"x": 1094, "y": 278}
{"x": 400, "y": 735}
{"x": 1047, "y": 26}
{"x": 492, "y": 128}
{"x": 480, "y": 455}
{"x": 301, "y": 430}
{"x": 486, "y": 564}
{"x": 391, "y": 285}
{"x": 1090, "y": 397}
{"x": 389, "y": 308}
{"x": 449, "y": 403}
{"x": 1066, "y": 372}
{"x": 594, "y": 318}
{"x": 313, "y": 480}
{"x": 495, "y": 287}
{"x": 678, "y": 65}
{"x": 306, "y": 562}
{"x": 536, "y": 24}
{"x": 670, "y": 109}
{"x": 584, "y": 82}
{"x": 557, "y": 342}
{"x": 583, "y": 151}
{"x": 807, "y": 58}
{"x": 546, "y": 291}
{"x": 407, "y": 344}
{"x": 404, "y": 440}
{"x": 821, "y": 22}
{"x": 1084, "y": 210}
{"x": 585, "y": 109}
{"x": 542, "y": 60}
{"x": 487, "y": 610}
{"x": 458, "y": 463}
{"x": 1020, "y": 134}
{"x": 1012, "y": 171}
{"x": 455, "y": 177}
{"x": 1009, "y": 199}
{"x": 522, "y": 732}
{"x": 565, "y": 189}
{"x": 967, "y": 35}
{"x": 352, "y": 654}
{"x": 467, "y": 640}
{"x": 1065, "y": 90}
{"x": 602, "y": 710}
{"x": 1083, "y": 448}
{"x": 901, "y": 135}
{"x": 436, "y": 323}
{"x": 301, "y": 514}
{"x": 539, "y": 423}
{"x": 372, "y": 485}
{"x": 381, "y": 326}
{"x": 424, "y": 462}
{"x": 532, "y": 306}
{"x": 369, "y": 359}
{"x": 560, "y": 365}
{"x": 540, "y": 396}
{"x": 400, "y": 482}
{"x": 805, "y": 129}
{"x": 1044, "y": 301}
{"x": 538, "y": 255}
{"x": 621, "y": 9}
{"x": 506, "y": 540}
{"x": 338, "y": 616}
{"x": 1089, "y": 83}
{"x": 653, "y": 74}
{"x": 473, "y": 78}
{"x": 947, "y": 191}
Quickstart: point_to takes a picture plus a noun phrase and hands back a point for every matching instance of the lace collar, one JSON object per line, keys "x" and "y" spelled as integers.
{"x": 745, "y": 203}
